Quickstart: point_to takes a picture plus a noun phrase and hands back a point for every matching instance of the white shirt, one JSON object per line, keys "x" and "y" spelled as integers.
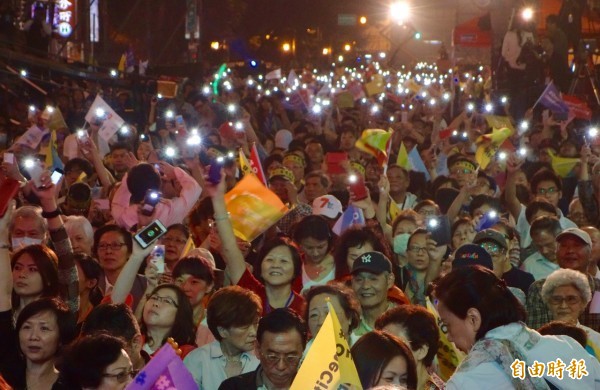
{"x": 491, "y": 376}
{"x": 207, "y": 365}
{"x": 523, "y": 226}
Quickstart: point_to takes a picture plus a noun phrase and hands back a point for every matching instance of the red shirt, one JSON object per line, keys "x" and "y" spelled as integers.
{"x": 248, "y": 281}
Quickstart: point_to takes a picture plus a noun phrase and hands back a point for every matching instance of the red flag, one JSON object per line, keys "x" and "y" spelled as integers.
{"x": 578, "y": 107}
{"x": 256, "y": 165}
{"x": 446, "y": 133}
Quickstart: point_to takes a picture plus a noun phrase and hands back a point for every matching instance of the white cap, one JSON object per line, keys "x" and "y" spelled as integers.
{"x": 328, "y": 206}
{"x": 283, "y": 138}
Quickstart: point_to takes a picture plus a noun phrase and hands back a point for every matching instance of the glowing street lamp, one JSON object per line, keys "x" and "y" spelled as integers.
{"x": 286, "y": 47}
{"x": 347, "y": 47}
{"x": 362, "y": 20}
{"x": 400, "y": 12}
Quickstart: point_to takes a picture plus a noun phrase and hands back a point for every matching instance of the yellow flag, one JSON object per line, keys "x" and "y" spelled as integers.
{"x": 122, "y": 62}
{"x": 375, "y": 87}
{"x": 488, "y": 145}
{"x": 562, "y": 166}
{"x": 245, "y": 165}
{"x": 253, "y": 208}
{"x": 449, "y": 357}
{"x": 375, "y": 143}
{"x": 402, "y": 160}
{"x": 189, "y": 245}
{"x": 328, "y": 363}
{"x": 499, "y": 122}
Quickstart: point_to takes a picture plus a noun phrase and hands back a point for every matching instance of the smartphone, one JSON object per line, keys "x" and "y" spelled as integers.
{"x": 57, "y": 174}
{"x": 83, "y": 137}
{"x": 150, "y": 233}
{"x": 214, "y": 172}
{"x": 35, "y": 170}
{"x": 180, "y": 125}
{"x": 439, "y": 227}
{"x": 356, "y": 187}
{"x": 157, "y": 257}
{"x": 487, "y": 220}
{"x": 9, "y": 158}
{"x": 333, "y": 161}
{"x": 150, "y": 201}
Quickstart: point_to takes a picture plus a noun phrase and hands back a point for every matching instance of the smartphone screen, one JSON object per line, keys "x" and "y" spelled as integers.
{"x": 9, "y": 158}
{"x": 157, "y": 257}
{"x": 56, "y": 176}
{"x": 150, "y": 233}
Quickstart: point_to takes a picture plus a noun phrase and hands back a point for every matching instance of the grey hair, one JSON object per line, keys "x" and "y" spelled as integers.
{"x": 566, "y": 277}
{"x": 33, "y": 212}
{"x": 73, "y": 222}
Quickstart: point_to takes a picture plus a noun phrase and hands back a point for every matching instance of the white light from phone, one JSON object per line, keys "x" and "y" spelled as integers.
{"x": 593, "y": 132}
{"x": 170, "y": 151}
{"x": 169, "y": 114}
{"x": 100, "y": 112}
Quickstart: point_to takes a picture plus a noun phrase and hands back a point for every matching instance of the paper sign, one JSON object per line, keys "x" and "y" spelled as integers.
{"x": 112, "y": 121}
{"x": 32, "y": 137}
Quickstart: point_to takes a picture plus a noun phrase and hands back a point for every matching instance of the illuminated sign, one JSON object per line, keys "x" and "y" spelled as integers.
{"x": 65, "y": 17}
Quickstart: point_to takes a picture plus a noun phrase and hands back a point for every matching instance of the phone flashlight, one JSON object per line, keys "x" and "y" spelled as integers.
{"x": 352, "y": 179}
{"x": 502, "y": 155}
{"x": 169, "y": 114}
{"x": 239, "y": 125}
{"x": 100, "y": 112}
{"x": 317, "y": 109}
{"x": 503, "y": 99}
{"x": 489, "y": 107}
{"x": 593, "y": 132}
{"x": 522, "y": 151}
{"x": 231, "y": 108}
{"x": 470, "y": 107}
{"x": 29, "y": 163}
{"x": 81, "y": 133}
{"x": 194, "y": 140}
{"x": 170, "y": 151}
{"x": 32, "y": 108}
{"x": 124, "y": 130}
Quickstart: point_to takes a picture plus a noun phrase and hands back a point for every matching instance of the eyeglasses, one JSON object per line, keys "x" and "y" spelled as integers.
{"x": 492, "y": 249}
{"x": 544, "y": 191}
{"x": 173, "y": 240}
{"x": 417, "y": 249}
{"x": 462, "y": 171}
{"x": 115, "y": 246}
{"x": 273, "y": 358}
{"x": 570, "y": 300}
{"x": 122, "y": 376}
{"x": 158, "y": 298}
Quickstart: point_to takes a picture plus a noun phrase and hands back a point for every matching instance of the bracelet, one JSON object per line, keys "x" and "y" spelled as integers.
{"x": 51, "y": 214}
{"x": 221, "y": 218}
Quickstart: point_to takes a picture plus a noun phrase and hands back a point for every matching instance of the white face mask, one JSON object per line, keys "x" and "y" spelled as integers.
{"x": 22, "y": 242}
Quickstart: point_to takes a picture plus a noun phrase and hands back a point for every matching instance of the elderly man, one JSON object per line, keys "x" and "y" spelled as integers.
{"x": 28, "y": 227}
{"x": 372, "y": 277}
{"x": 280, "y": 341}
{"x": 573, "y": 251}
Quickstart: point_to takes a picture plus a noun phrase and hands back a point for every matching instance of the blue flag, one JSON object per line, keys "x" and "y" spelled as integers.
{"x": 352, "y": 216}
{"x": 552, "y": 100}
{"x": 417, "y": 164}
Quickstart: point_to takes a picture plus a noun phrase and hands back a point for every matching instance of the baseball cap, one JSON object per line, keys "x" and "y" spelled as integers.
{"x": 471, "y": 254}
{"x": 374, "y": 262}
{"x": 583, "y": 236}
{"x": 491, "y": 235}
{"x": 328, "y": 206}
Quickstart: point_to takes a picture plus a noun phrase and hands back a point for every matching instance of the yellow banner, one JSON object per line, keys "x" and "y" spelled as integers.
{"x": 449, "y": 357}
{"x": 562, "y": 166}
{"x": 488, "y": 145}
{"x": 253, "y": 208}
{"x": 328, "y": 363}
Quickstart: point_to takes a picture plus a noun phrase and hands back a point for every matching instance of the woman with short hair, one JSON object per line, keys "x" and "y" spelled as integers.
{"x": 486, "y": 321}
{"x": 232, "y": 315}
{"x": 567, "y": 293}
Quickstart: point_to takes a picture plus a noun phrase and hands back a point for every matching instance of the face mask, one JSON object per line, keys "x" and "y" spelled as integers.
{"x": 401, "y": 243}
{"x": 22, "y": 242}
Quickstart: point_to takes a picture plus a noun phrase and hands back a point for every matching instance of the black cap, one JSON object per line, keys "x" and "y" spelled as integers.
{"x": 471, "y": 254}
{"x": 374, "y": 262}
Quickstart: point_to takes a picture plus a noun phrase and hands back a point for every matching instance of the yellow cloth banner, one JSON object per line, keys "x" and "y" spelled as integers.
{"x": 253, "y": 208}
{"x": 449, "y": 357}
{"x": 562, "y": 166}
{"x": 328, "y": 363}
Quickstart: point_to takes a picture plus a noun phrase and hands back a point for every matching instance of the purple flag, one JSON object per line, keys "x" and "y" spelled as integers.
{"x": 352, "y": 216}
{"x": 165, "y": 371}
{"x": 552, "y": 100}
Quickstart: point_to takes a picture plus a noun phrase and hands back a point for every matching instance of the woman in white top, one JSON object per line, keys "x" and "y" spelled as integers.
{"x": 485, "y": 320}
{"x": 567, "y": 293}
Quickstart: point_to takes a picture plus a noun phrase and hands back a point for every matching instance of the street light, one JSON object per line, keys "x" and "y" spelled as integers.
{"x": 362, "y": 20}
{"x": 326, "y": 51}
{"x": 286, "y": 47}
{"x": 347, "y": 47}
{"x": 400, "y": 12}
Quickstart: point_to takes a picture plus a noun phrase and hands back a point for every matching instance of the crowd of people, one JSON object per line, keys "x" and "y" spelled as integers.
{"x": 461, "y": 272}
